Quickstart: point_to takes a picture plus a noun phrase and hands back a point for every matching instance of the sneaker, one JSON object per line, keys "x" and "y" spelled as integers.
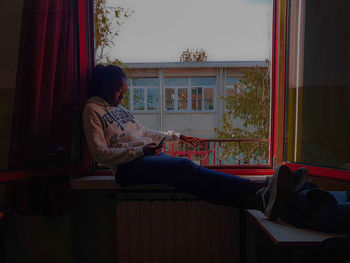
{"x": 274, "y": 196}
{"x": 299, "y": 178}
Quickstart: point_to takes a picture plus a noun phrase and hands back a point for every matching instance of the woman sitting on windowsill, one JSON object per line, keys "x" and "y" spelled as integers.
{"x": 133, "y": 153}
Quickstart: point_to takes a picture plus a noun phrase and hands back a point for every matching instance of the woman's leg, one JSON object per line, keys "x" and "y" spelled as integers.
{"x": 186, "y": 176}
{"x": 210, "y": 185}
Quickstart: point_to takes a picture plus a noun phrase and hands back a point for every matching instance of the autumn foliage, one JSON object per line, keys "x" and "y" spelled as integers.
{"x": 193, "y": 55}
{"x": 250, "y": 104}
{"x": 107, "y": 21}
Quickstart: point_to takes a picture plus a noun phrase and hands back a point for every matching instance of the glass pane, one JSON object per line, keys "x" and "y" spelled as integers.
{"x": 129, "y": 82}
{"x": 152, "y": 99}
{"x": 182, "y": 96}
{"x": 146, "y": 82}
{"x": 170, "y": 99}
{"x": 209, "y": 99}
{"x": 196, "y": 98}
{"x": 232, "y": 80}
{"x": 206, "y": 81}
{"x": 176, "y": 82}
{"x": 139, "y": 99}
{"x": 319, "y": 88}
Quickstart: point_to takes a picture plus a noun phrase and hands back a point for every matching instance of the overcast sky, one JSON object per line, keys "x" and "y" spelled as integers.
{"x": 159, "y": 30}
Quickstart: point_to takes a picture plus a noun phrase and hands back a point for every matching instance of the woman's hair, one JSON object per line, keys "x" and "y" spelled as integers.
{"x": 106, "y": 80}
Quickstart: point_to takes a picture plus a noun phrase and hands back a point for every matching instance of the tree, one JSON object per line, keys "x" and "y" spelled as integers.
{"x": 108, "y": 20}
{"x": 250, "y": 103}
{"x": 193, "y": 55}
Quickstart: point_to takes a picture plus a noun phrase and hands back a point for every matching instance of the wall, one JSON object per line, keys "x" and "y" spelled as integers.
{"x": 93, "y": 226}
{"x": 36, "y": 239}
{"x": 85, "y": 235}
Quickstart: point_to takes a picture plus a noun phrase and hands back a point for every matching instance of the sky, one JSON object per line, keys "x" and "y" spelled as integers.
{"x": 228, "y": 30}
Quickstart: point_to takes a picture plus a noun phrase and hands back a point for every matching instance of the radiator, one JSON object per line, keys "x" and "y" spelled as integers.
{"x": 171, "y": 228}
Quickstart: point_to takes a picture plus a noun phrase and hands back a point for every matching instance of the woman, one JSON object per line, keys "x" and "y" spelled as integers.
{"x": 131, "y": 150}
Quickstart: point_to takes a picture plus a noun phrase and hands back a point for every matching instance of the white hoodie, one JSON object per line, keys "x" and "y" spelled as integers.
{"x": 114, "y": 136}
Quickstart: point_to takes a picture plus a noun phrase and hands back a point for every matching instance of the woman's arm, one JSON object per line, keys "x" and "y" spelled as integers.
{"x": 157, "y": 136}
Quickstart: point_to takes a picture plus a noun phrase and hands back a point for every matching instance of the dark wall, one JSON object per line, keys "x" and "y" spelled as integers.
{"x": 93, "y": 226}
{"x": 86, "y": 235}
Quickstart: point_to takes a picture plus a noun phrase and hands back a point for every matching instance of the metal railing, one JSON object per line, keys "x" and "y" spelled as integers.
{"x": 221, "y": 152}
{"x": 244, "y": 152}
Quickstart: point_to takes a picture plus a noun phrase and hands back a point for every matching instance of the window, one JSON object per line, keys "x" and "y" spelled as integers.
{"x": 229, "y": 85}
{"x": 170, "y": 99}
{"x": 318, "y": 87}
{"x": 189, "y": 98}
{"x": 200, "y": 89}
{"x": 196, "y": 98}
{"x": 142, "y": 95}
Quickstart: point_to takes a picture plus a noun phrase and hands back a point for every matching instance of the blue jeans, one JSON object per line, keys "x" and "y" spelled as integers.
{"x": 319, "y": 209}
{"x": 186, "y": 176}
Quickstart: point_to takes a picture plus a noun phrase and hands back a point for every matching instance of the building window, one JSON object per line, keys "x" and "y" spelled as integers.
{"x": 230, "y": 83}
{"x": 182, "y": 99}
{"x": 196, "y": 98}
{"x": 142, "y": 94}
{"x": 170, "y": 99}
{"x": 200, "y": 89}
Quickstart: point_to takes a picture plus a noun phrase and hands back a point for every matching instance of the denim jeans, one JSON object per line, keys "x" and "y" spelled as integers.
{"x": 186, "y": 176}
{"x": 319, "y": 209}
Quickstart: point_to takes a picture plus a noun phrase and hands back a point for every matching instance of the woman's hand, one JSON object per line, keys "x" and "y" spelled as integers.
{"x": 194, "y": 141}
{"x": 152, "y": 149}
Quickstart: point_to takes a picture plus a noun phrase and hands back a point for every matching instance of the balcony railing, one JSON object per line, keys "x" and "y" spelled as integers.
{"x": 224, "y": 152}
{"x": 247, "y": 153}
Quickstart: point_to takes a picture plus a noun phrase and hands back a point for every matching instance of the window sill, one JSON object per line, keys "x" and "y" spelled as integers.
{"x": 103, "y": 182}
{"x": 25, "y": 174}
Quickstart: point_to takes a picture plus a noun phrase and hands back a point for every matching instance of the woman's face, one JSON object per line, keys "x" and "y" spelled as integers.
{"x": 119, "y": 95}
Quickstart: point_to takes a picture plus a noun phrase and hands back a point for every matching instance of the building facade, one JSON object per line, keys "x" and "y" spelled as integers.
{"x": 186, "y": 97}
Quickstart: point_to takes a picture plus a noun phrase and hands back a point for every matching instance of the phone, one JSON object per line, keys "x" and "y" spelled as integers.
{"x": 162, "y": 141}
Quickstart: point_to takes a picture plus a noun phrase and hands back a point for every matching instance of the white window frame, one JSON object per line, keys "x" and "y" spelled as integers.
{"x": 145, "y": 88}
{"x": 189, "y": 94}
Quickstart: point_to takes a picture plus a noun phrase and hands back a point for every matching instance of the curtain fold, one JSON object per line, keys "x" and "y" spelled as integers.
{"x": 51, "y": 89}
{"x": 46, "y": 79}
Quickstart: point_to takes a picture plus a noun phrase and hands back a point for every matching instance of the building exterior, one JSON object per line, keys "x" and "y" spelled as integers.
{"x": 183, "y": 96}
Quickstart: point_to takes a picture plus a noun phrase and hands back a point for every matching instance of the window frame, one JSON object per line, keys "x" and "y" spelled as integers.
{"x": 261, "y": 170}
{"x": 315, "y": 170}
{"x": 132, "y": 87}
{"x": 189, "y": 95}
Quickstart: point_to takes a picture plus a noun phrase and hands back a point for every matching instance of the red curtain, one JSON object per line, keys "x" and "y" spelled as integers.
{"x": 50, "y": 91}
{"x": 45, "y": 96}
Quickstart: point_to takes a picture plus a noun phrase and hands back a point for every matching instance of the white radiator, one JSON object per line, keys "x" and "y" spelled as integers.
{"x": 174, "y": 228}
